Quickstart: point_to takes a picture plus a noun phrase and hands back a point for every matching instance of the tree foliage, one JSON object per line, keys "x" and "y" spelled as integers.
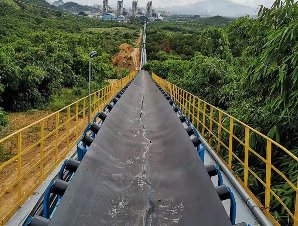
{"x": 42, "y": 51}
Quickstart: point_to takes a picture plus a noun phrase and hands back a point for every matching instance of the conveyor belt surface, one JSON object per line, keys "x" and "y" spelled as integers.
{"x": 141, "y": 169}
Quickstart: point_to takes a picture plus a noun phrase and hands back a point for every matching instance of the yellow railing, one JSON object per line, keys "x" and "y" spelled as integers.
{"x": 233, "y": 141}
{"x": 39, "y": 148}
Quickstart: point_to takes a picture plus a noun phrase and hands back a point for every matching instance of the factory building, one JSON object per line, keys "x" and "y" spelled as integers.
{"x": 119, "y": 8}
{"x": 105, "y": 8}
{"x": 109, "y": 16}
{"x": 149, "y": 9}
{"x": 134, "y": 8}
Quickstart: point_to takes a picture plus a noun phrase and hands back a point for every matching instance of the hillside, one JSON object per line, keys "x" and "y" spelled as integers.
{"x": 58, "y": 3}
{"x": 77, "y": 8}
{"x": 213, "y": 8}
{"x": 10, "y": 3}
{"x": 43, "y": 51}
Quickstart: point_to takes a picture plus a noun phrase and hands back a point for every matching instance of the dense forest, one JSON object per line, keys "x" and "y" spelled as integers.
{"x": 247, "y": 67}
{"x": 43, "y": 51}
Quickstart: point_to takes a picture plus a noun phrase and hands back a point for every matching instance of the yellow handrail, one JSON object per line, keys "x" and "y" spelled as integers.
{"x": 39, "y": 148}
{"x": 219, "y": 130}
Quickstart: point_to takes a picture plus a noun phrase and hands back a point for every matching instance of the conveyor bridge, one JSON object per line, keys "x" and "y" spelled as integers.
{"x": 154, "y": 154}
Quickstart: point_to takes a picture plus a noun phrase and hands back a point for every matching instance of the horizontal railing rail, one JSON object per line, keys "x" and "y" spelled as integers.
{"x": 37, "y": 149}
{"x": 246, "y": 152}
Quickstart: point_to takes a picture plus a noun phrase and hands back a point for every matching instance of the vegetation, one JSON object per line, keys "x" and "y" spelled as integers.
{"x": 43, "y": 51}
{"x": 249, "y": 67}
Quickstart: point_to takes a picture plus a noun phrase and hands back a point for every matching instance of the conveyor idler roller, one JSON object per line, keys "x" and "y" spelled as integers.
{"x": 72, "y": 165}
{"x": 211, "y": 169}
{"x": 196, "y": 141}
{"x": 95, "y": 128}
{"x": 87, "y": 140}
{"x": 190, "y": 131}
{"x": 59, "y": 187}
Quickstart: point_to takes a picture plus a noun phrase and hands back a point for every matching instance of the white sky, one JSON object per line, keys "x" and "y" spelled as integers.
{"x": 169, "y": 3}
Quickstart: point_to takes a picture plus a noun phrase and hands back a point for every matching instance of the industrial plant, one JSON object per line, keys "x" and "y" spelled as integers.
{"x": 121, "y": 14}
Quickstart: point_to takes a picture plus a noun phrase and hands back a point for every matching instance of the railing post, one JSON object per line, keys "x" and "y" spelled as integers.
{"x": 57, "y": 137}
{"x": 189, "y": 101}
{"x": 20, "y": 143}
{"x": 104, "y": 94}
{"x": 94, "y": 104}
{"x": 198, "y": 115}
{"x": 296, "y": 208}
{"x": 176, "y": 94}
{"x": 179, "y": 98}
{"x": 246, "y": 154}
{"x": 231, "y": 143}
{"x": 84, "y": 108}
{"x": 184, "y": 100}
{"x": 219, "y": 130}
{"x": 268, "y": 175}
{"x": 67, "y": 128}
{"x": 77, "y": 119}
{"x": 204, "y": 120}
{"x": 41, "y": 150}
{"x": 211, "y": 125}
{"x": 193, "y": 110}
{"x": 98, "y": 104}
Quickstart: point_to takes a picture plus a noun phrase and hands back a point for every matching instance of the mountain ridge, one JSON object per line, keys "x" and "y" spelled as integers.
{"x": 214, "y": 8}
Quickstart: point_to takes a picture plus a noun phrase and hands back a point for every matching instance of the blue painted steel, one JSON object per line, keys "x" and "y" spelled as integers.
{"x": 28, "y": 221}
{"x": 220, "y": 179}
{"x": 60, "y": 174}
{"x": 56, "y": 206}
{"x": 232, "y": 207}
{"x": 46, "y": 200}
{"x": 81, "y": 150}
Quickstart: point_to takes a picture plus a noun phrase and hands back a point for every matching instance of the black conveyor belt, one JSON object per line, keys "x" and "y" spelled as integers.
{"x": 142, "y": 169}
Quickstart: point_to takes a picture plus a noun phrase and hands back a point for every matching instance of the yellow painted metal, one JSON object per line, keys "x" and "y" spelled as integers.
{"x": 227, "y": 152}
{"x": 193, "y": 110}
{"x": 198, "y": 115}
{"x": 84, "y": 108}
{"x": 57, "y": 136}
{"x": 188, "y": 105}
{"x": 77, "y": 120}
{"x": 204, "y": 120}
{"x": 40, "y": 147}
{"x": 231, "y": 143}
{"x": 41, "y": 151}
{"x": 67, "y": 127}
{"x": 268, "y": 174}
{"x": 20, "y": 142}
{"x": 246, "y": 155}
{"x": 219, "y": 131}
{"x": 211, "y": 125}
{"x": 296, "y": 208}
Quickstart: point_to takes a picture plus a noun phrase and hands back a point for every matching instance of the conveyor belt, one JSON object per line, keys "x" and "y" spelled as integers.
{"x": 141, "y": 169}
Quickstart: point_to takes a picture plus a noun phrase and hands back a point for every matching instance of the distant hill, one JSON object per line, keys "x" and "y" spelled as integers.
{"x": 10, "y": 3}
{"x": 58, "y": 3}
{"x": 213, "y": 8}
{"x": 17, "y": 4}
{"x": 37, "y": 3}
{"x": 77, "y": 8}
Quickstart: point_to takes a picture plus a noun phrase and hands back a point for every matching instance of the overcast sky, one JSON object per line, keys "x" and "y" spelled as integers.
{"x": 167, "y": 3}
